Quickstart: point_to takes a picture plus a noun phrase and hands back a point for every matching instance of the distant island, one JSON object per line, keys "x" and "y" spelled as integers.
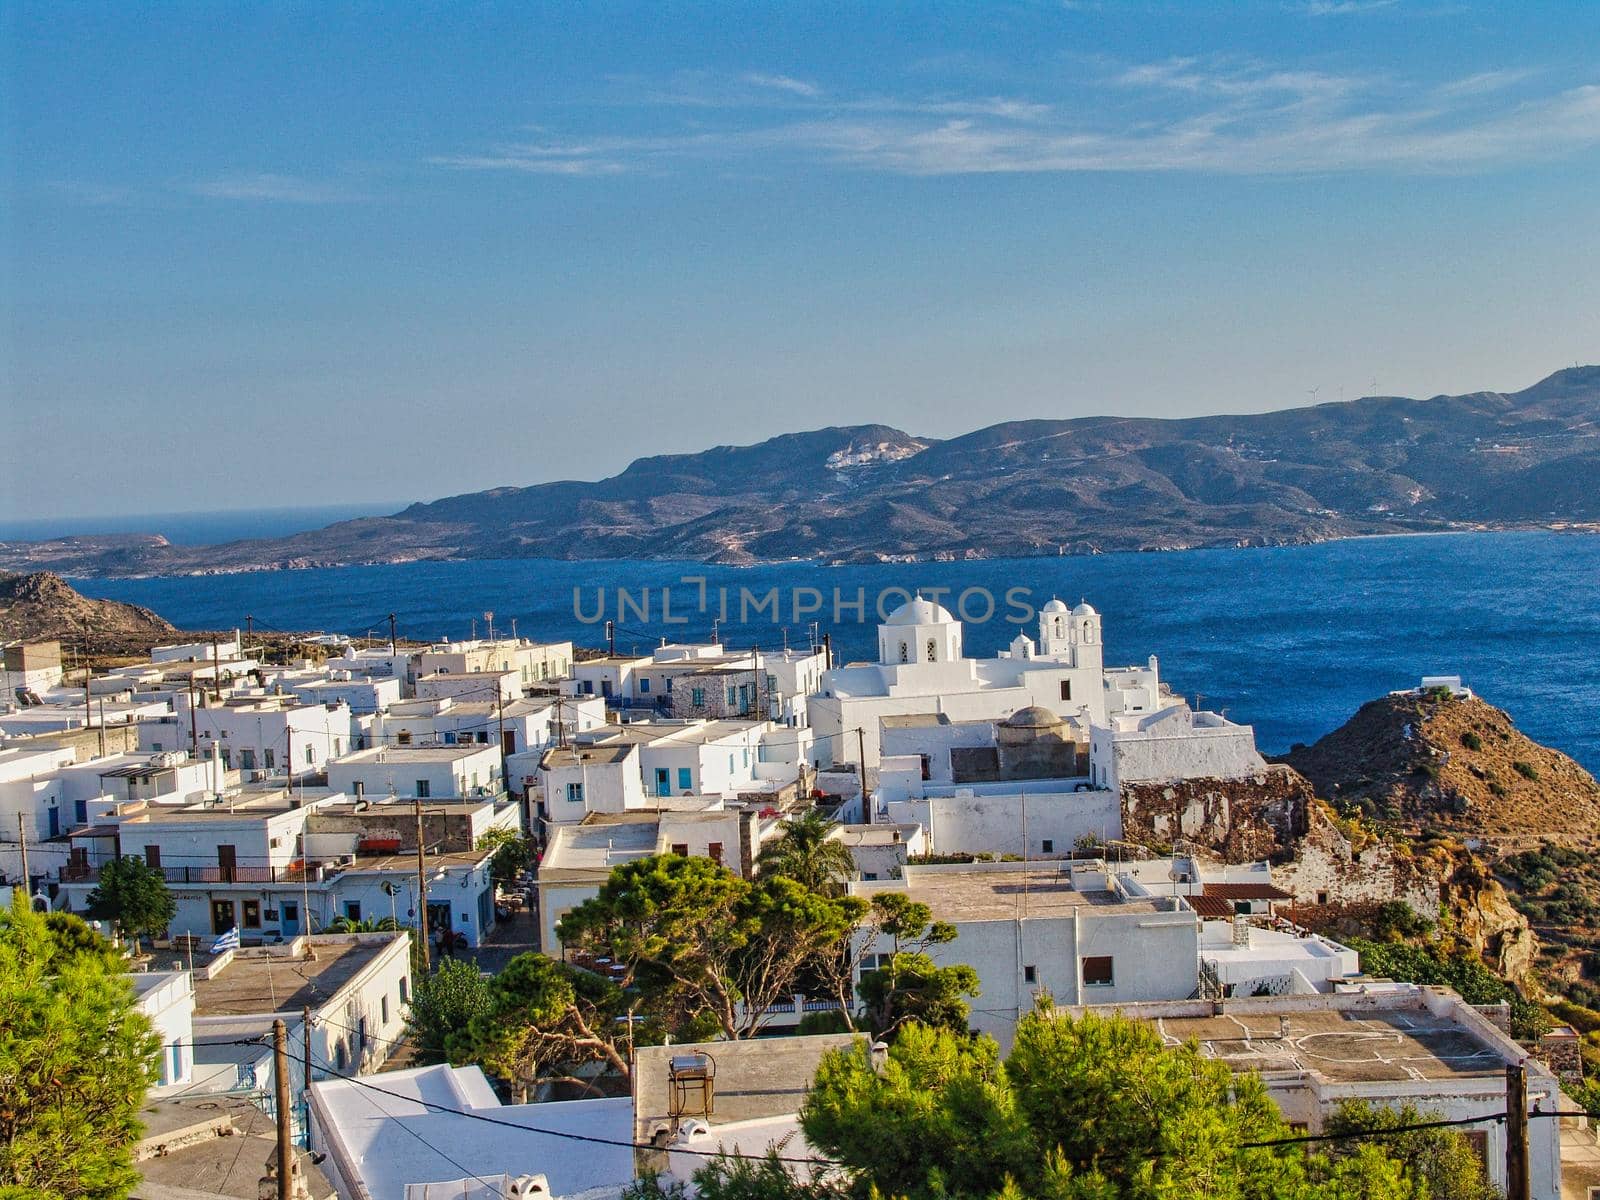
{"x": 1377, "y": 465}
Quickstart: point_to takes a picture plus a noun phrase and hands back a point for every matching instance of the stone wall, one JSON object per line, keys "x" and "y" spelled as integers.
{"x": 1236, "y": 820}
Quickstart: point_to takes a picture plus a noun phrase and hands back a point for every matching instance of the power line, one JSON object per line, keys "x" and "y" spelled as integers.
{"x": 570, "y": 1136}
{"x": 1357, "y": 1134}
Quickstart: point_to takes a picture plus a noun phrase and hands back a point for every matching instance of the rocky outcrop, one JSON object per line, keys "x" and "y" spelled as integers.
{"x": 44, "y": 607}
{"x": 1236, "y": 820}
{"x": 1432, "y": 761}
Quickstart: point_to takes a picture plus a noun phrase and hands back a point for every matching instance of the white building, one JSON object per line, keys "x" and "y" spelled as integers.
{"x": 1388, "y": 1045}
{"x": 419, "y": 1129}
{"x": 580, "y": 858}
{"x": 269, "y": 734}
{"x": 921, "y": 668}
{"x": 420, "y": 771}
{"x": 532, "y": 663}
{"x": 1174, "y": 743}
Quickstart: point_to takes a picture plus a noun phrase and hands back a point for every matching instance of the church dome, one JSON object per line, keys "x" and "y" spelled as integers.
{"x": 918, "y": 611}
{"x": 1084, "y": 609}
{"x": 1054, "y": 606}
{"x": 1033, "y": 717}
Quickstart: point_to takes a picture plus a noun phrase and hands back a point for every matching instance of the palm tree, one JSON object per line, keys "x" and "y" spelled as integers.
{"x": 806, "y": 852}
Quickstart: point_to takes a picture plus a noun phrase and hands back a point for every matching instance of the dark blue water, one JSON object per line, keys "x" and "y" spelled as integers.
{"x": 1291, "y": 640}
{"x": 196, "y": 529}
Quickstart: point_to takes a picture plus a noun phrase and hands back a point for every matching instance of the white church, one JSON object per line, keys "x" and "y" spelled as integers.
{"x": 921, "y": 668}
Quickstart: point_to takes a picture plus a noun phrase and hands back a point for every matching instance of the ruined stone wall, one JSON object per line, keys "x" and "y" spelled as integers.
{"x": 1236, "y": 820}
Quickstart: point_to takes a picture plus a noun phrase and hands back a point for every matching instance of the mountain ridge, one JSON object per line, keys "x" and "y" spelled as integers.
{"x": 872, "y": 492}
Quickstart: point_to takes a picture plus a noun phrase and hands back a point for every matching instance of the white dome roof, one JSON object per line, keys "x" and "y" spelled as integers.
{"x": 1085, "y": 609}
{"x": 918, "y": 611}
{"x": 1054, "y": 606}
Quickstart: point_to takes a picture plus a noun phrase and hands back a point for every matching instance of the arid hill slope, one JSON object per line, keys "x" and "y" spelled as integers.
{"x": 43, "y": 606}
{"x": 1434, "y": 762}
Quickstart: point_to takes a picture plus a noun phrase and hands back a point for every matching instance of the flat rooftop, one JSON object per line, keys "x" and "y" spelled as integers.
{"x": 1398, "y": 1045}
{"x": 761, "y": 1077}
{"x": 414, "y": 754}
{"x": 263, "y": 983}
{"x": 1000, "y": 895}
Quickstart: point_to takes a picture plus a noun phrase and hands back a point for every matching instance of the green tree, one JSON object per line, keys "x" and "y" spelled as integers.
{"x": 134, "y": 895}
{"x": 545, "y": 1020}
{"x": 807, "y": 851}
{"x": 907, "y": 985}
{"x": 76, "y": 1058}
{"x": 1090, "y": 1108}
{"x": 1441, "y": 1160}
{"x": 442, "y": 1008}
{"x": 718, "y": 944}
{"x": 513, "y": 853}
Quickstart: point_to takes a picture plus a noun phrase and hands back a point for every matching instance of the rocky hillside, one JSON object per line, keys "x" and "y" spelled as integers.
{"x": 1437, "y": 762}
{"x": 1382, "y": 464}
{"x": 43, "y": 606}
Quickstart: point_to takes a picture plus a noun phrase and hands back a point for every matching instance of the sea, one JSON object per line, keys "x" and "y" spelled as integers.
{"x": 1290, "y": 640}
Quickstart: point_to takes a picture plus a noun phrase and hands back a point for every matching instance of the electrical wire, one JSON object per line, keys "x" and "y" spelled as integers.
{"x": 568, "y": 1135}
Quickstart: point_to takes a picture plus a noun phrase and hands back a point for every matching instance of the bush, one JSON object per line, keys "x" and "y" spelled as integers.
{"x": 1471, "y": 740}
{"x": 1496, "y": 788}
{"x": 1527, "y": 770}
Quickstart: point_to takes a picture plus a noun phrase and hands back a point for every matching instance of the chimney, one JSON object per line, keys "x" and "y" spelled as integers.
{"x": 1241, "y": 931}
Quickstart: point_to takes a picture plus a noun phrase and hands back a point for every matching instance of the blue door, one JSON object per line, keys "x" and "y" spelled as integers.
{"x": 289, "y": 917}
{"x": 663, "y": 782}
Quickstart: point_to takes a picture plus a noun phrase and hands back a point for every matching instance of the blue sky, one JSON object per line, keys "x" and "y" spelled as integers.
{"x": 265, "y": 255}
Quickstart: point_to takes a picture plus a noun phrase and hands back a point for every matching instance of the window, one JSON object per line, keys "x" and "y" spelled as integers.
{"x": 574, "y": 793}
{"x": 403, "y": 738}
{"x": 152, "y": 856}
{"x": 423, "y": 790}
{"x": 903, "y": 655}
{"x": 352, "y": 909}
{"x": 269, "y": 758}
{"x": 383, "y": 1007}
{"x": 714, "y": 852}
{"x": 227, "y": 759}
{"x": 1030, "y": 974}
{"x": 338, "y": 747}
{"x": 681, "y": 849}
{"x": 733, "y": 696}
{"x": 247, "y": 759}
{"x": 405, "y": 990}
{"x": 1097, "y": 971}
{"x": 339, "y": 1056}
{"x": 644, "y": 686}
{"x": 932, "y": 650}
{"x": 311, "y": 758}
{"x": 1322, "y": 897}
{"x": 869, "y": 876}
{"x": 1049, "y": 846}
{"x": 1066, "y": 689}
{"x": 685, "y": 779}
{"x": 252, "y": 914}
{"x": 156, "y": 746}
{"x": 697, "y": 697}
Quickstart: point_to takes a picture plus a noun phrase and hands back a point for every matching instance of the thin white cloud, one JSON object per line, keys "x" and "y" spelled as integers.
{"x": 1192, "y": 116}
{"x": 269, "y": 188}
{"x": 782, "y": 83}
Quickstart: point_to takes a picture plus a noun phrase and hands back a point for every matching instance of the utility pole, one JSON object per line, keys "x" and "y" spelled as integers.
{"x": 1517, "y": 1132}
{"x": 500, "y": 713}
{"x": 827, "y": 652}
{"x": 22, "y": 837}
{"x": 861, "y": 753}
{"x": 280, "y": 1079}
{"x": 102, "y": 728}
{"x": 422, "y": 885}
{"x": 88, "y": 713}
{"x": 249, "y": 627}
{"x": 611, "y": 639}
{"x": 194, "y": 721}
{"x": 391, "y": 634}
{"x": 305, "y": 1027}
{"x": 216, "y": 670}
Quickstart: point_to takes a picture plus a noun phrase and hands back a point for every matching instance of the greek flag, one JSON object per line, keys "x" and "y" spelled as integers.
{"x": 228, "y": 941}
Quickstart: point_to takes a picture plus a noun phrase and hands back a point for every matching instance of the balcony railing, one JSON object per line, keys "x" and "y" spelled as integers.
{"x": 75, "y": 872}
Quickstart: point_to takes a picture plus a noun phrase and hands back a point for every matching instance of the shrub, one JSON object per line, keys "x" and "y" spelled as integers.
{"x": 1526, "y": 769}
{"x": 1471, "y": 740}
{"x": 1496, "y": 788}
